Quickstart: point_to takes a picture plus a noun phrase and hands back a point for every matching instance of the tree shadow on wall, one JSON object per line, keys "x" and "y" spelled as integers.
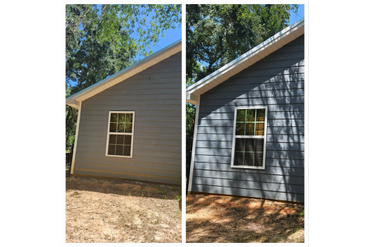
{"x": 277, "y": 81}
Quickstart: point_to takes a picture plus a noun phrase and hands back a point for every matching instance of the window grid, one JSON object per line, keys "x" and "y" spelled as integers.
{"x": 257, "y": 157}
{"x": 254, "y": 153}
{"x": 120, "y": 134}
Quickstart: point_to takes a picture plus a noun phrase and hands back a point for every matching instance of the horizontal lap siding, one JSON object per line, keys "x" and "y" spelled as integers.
{"x": 155, "y": 96}
{"x": 277, "y": 81}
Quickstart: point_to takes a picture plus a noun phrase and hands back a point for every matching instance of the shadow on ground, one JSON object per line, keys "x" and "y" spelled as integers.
{"x": 216, "y": 218}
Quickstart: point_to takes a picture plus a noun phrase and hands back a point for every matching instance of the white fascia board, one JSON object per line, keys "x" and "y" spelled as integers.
{"x": 192, "y": 99}
{"x": 73, "y": 103}
{"x": 124, "y": 74}
{"x": 252, "y": 56}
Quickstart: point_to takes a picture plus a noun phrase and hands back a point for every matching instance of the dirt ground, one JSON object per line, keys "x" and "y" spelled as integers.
{"x": 227, "y": 219}
{"x": 100, "y": 210}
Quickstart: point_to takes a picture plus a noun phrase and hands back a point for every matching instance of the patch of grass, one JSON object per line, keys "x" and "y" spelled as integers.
{"x": 276, "y": 239}
{"x": 162, "y": 191}
{"x": 262, "y": 239}
{"x": 237, "y": 240}
{"x": 296, "y": 229}
{"x": 178, "y": 197}
{"x": 251, "y": 238}
{"x": 300, "y": 214}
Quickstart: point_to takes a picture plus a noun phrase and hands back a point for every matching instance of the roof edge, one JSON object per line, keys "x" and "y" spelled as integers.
{"x": 71, "y": 99}
{"x": 244, "y": 57}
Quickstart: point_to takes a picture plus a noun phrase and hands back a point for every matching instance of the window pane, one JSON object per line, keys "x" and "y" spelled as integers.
{"x": 122, "y": 117}
{"x": 240, "y": 115}
{"x": 248, "y": 159}
{"x": 249, "y": 145}
{"x": 128, "y": 140}
{"x": 128, "y": 117}
{"x": 111, "y": 149}
{"x": 261, "y": 115}
{"x": 238, "y": 159}
{"x": 119, "y": 143}
{"x": 113, "y": 117}
{"x": 249, "y": 130}
{"x": 128, "y": 128}
{"x": 120, "y": 139}
{"x": 113, "y": 127}
{"x": 260, "y": 127}
{"x": 240, "y": 129}
{"x": 248, "y": 152}
{"x": 239, "y": 145}
{"x": 250, "y": 114}
{"x": 112, "y": 139}
{"x": 127, "y": 150}
{"x": 258, "y": 144}
{"x": 119, "y": 149}
{"x": 121, "y": 127}
{"x": 258, "y": 159}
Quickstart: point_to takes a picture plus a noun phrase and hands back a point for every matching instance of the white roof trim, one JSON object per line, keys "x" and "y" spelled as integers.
{"x": 124, "y": 74}
{"x": 244, "y": 61}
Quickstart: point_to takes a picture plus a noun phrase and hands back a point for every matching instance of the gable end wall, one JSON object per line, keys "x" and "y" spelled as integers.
{"x": 155, "y": 96}
{"x": 277, "y": 81}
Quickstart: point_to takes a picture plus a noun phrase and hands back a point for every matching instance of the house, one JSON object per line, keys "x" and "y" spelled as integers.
{"x": 249, "y": 125}
{"x": 129, "y": 125}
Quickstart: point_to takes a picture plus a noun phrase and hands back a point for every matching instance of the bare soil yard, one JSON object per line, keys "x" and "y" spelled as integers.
{"x": 228, "y": 219}
{"x": 100, "y": 210}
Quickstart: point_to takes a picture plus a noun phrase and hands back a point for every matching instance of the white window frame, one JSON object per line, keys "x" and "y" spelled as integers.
{"x": 249, "y": 136}
{"x": 120, "y": 133}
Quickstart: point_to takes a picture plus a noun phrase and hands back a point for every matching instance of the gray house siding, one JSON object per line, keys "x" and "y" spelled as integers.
{"x": 276, "y": 81}
{"x": 155, "y": 96}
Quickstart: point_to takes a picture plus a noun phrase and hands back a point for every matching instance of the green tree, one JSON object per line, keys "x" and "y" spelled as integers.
{"x": 71, "y": 119}
{"x": 101, "y": 40}
{"x": 190, "y": 118}
{"x": 217, "y": 34}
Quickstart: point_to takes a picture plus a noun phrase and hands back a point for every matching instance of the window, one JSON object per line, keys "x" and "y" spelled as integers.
{"x": 120, "y": 133}
{"x": 249, "y": 142}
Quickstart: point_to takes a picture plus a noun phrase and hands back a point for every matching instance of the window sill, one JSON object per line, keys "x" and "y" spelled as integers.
{"x": 120, "y": 156}
{"x": 249, "y": 167}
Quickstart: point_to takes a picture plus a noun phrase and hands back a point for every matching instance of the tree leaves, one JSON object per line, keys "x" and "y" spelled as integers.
{"x": 101, "y": 40}
{"x": 103, "y": 36}
{"x": 217, "y": 34}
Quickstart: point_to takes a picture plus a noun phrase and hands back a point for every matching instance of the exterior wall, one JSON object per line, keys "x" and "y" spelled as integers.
{"x": 155, "y": 96}
{"x": 277, "y": 81}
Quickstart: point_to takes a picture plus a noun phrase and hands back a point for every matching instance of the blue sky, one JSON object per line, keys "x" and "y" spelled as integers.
{"x": 170, "y": 36}
{"x": 297, "y": 16}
